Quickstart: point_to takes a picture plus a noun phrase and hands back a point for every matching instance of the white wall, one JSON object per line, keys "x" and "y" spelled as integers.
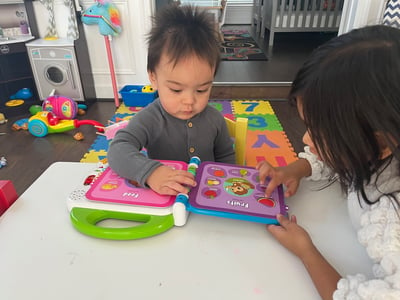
{"x": 129, "y": 49}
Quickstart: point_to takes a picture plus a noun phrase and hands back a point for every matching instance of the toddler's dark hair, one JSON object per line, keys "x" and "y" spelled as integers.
{"x": 180, "y": 31}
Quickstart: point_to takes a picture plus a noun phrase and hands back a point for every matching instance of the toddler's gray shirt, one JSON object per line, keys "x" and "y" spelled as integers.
{"x": 168, "y": 138}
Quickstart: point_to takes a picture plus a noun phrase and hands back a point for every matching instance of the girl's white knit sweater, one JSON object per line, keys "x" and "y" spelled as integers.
{"x": 378, "y": 228}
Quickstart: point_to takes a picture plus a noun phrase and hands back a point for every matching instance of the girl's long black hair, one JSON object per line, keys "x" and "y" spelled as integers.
{"x": 349, "y": 89}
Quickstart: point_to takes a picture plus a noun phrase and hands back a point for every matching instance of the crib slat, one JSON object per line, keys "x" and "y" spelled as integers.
{"x": 320, "y": 11}
{"x": 327, "y": 14}
{"x": 289, "y": 14}
{"x": 304, "y": 13}
{"x": 296, "y": 14}
{"x": 337, "y": 13}
{"x": 281, "y": 12}
{"x": 312, "y": 14}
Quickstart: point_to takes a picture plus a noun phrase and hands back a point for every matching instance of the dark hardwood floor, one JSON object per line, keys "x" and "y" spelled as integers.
{"x": 284, "y": 59}
{"x": 29, "y": 156}
{"x": 271, "y": 78}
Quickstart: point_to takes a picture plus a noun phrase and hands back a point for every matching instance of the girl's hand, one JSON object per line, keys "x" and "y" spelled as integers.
{"x": 292, "y": 236}
{"x": 289, "y": 175}
{"x": 167, "y": 181}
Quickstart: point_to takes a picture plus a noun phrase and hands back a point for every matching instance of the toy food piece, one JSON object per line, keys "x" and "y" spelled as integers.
{"x": 20, "y": 124}
{"x": 3, "y": 162}
{"x": 15, "y": 102}
{"x": 3, "y": 119}
{"x": 79, "y": 136}
{"x": 34, "y": 109}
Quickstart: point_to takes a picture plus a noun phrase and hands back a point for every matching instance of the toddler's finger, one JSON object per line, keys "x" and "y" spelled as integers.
{"x": 187, "y": 181}
{"x": 175, "y": 188}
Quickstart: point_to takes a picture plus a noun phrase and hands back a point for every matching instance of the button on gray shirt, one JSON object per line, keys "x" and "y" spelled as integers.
{"x": 168, "y": 138}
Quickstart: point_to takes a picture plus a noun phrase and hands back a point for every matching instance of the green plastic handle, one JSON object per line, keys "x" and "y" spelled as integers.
{"x": 85, "y": 221}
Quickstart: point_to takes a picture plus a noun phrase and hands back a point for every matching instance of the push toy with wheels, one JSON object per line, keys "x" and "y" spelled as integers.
{"x": 46, "y": 122}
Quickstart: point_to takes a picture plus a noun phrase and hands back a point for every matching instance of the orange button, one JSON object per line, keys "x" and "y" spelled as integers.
{"x": 191, "y": 150}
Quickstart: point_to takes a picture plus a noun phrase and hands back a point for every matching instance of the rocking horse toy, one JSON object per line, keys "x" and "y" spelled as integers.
{"x": 105, "y": 14}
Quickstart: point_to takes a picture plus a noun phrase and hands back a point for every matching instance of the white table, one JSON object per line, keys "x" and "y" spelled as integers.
{"x": 44, "y": 257}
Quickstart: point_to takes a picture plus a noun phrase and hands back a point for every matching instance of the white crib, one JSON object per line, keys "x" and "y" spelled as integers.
{"x": 300, "y": 16}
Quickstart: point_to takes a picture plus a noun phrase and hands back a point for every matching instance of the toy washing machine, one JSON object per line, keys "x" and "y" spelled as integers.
{"x": 55, "y": 68}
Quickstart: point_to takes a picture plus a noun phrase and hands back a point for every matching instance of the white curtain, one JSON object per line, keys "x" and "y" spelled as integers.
{"x": 359, "y": 13}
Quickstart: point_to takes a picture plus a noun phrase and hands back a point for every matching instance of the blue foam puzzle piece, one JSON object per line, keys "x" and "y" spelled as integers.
{"x": 100, "y": 143}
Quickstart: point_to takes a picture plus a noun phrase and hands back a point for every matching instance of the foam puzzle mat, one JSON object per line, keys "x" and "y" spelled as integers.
{"x": 266, "y": 138}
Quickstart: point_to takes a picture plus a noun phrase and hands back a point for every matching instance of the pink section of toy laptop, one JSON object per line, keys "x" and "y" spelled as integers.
{"x": 110, "y": 187}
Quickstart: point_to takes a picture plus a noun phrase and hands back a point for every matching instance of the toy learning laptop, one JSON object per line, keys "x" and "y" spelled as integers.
{"x": 222, "y": 190}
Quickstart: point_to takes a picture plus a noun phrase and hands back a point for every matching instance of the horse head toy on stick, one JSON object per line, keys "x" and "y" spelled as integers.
{"x": 105, "y": 14}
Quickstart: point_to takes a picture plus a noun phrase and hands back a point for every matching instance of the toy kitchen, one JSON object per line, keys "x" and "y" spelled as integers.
{"x": 17, "y": 86}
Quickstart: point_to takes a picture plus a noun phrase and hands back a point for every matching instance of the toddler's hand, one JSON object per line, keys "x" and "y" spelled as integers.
{"x": 168, "y": 181}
